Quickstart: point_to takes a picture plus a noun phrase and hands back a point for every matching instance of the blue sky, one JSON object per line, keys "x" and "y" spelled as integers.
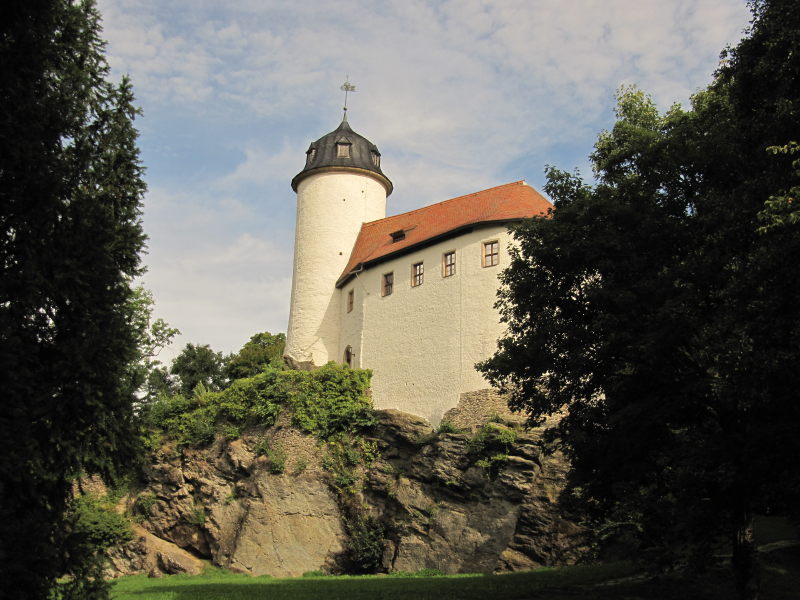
{"x": 458, "y": 95}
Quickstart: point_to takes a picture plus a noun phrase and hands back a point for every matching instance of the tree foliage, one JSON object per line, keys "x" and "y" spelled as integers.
{"x": 153, "y": 335}
{"x": 262, "y": 350}
{"x": 70, "y": 238}
{"x": 658, "y": 309}
{"x": 326, "y": 402}
{"x": 199, "y": 365}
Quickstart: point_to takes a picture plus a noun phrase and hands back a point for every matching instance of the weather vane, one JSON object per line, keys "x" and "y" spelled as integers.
{"x": 346, "y": 88}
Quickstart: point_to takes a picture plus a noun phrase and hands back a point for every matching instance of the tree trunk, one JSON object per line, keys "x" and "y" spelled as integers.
{"x": 745, "y": 561}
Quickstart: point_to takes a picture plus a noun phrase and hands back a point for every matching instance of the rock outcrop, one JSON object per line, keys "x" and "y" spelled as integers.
{"x": 284, "y": 515}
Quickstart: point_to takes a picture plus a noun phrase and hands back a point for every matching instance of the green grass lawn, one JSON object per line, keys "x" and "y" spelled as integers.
{"x": 781, "y": 581}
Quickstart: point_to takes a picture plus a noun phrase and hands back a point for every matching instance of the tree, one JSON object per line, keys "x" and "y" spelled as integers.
{"x": 148, "y": 377}
{"x": 70, "y": 238}
{"x": 197, "y": 365}
{"x": 263, "y": 349}
{"x": 658, "y": 310}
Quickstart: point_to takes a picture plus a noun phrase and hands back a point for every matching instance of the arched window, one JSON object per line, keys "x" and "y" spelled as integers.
{"x": 348, "y": 356}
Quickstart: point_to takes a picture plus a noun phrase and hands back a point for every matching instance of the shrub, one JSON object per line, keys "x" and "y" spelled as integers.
{"x": 197, "y": 516}
{"x": 365, "y": 544}
{"x": 232, "y": 432}
{"x": 277, "y": 460}
{"x": 144, "y": 504}
{"x": 92, "y": 526}
{"x": 448, "y": 427}
{"x": 325, "y": 402}
{"x": 275, "y": 455}
{"x": 330, "y": 400}
{"x": 490, "y": 446}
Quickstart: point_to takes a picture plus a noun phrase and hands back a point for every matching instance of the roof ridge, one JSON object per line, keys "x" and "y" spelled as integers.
{"x": 427, "y": 206}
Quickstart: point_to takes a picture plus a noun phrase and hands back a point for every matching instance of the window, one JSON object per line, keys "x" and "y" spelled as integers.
{"x": 342, "y": 150}
{"x": 388, "y": 284}
{"x": 348, "y": 356}
{"x": 417, "y": 273}
{"x": 398, "y": 236}
{"x": 376, "y": 159}
{"x": 448, "y": 264}
{"x": 350, "y": 298}
{"x": 491, "y": 253}
{"x": 311, "y": 154}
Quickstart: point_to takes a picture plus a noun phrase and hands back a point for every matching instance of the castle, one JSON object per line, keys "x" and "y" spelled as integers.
{"x": 409, "y": 296}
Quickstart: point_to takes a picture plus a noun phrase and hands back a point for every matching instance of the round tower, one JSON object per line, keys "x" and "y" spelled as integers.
{"x": 340, "y": 187}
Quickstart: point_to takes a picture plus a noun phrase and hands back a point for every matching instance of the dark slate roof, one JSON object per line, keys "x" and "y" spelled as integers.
{"x": 322, "y": 156}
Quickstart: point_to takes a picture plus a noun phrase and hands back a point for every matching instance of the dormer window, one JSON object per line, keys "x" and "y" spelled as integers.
{"x": 398, "y": 236}
{"x": 376, "y": 159}
{"x": 311, "y": 155}
{"x": 342, "y": 150}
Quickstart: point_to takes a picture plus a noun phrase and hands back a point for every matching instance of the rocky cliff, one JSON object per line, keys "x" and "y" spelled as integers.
{"x": 478, "y": 496}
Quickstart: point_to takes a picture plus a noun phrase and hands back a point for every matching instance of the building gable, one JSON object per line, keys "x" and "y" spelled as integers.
{"x": 398, "y": 234}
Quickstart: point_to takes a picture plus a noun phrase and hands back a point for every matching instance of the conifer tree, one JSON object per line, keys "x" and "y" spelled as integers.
{"x": 70, "y": 237}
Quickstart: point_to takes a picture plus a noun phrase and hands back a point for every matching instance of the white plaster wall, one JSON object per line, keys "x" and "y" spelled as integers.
{"x": 422, "y": 343}
{"x": 330, "y": 210}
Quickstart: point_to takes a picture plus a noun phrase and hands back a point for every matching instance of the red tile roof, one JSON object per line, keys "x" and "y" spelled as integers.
{"x": 510, "y": 202}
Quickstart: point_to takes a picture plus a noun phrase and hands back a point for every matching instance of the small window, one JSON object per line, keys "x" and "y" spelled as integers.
{"x": 398, "y": 236}
{"x": 417, "y": 273}
{"x": 348, "y": 356}
{"x": 350, "y": 299}
{"x": 448, "y": 264}
{"x": 491, "y": 253}
{"x": 311, "y": 154}
{"x": 376, "y": 159}
{"x": 342, "y": 150}
{"x": 387, "y": 287}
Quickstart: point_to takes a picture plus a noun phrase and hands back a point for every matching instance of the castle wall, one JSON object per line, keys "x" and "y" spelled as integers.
{"x": 422, "y": 342}
{"x": 331, "y": 207}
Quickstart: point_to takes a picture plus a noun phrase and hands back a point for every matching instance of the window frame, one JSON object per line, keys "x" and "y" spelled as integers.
{"x": 417, "y": 276}
{"x": 350, "y": 300}
{"x": 493, "y": 254}
{"x": 448, "y": 266}
{"x": 343, "y": 150}
{"x": 387, "y": 284}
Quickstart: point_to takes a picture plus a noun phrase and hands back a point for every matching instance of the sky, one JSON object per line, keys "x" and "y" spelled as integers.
{"x": 458, "y": 95}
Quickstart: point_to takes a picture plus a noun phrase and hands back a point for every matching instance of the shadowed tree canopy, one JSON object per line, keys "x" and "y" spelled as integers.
{"x": 659, "y": 310}
{"x": 70, "y": 239}
{"x": 199, "y": 365}
{"x": 263, "y": 349}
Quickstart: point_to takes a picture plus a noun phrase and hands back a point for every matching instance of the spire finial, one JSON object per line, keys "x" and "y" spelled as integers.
{"x": 347, "y": 87}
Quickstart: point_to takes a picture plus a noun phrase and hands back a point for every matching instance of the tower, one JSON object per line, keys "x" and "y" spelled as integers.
{"x": 340, "y": 187}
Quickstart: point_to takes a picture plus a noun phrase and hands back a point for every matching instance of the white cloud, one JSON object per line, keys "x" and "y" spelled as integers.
{"x": 451, "y": 91}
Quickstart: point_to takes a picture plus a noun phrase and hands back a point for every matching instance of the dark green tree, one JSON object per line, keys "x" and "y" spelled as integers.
{"x": 198, "y": 365}
{"x": 70, "y": 239}
{"x": 263, "y": 349}
{"x": 658, "y": 310}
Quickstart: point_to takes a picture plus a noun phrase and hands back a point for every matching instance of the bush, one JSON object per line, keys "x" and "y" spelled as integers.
{"x": 197, "y": 516}
{"x": 277, "y": 460}
{"x": 144, "y": 504}
{"x": 365, "y": 544}
{"x": 92, "y": 526}
{"x": 490, "y": 446}
{"x": 325, "y": 402}
{"x": 448, "y": 427}
{"x": 331, "y": 400}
